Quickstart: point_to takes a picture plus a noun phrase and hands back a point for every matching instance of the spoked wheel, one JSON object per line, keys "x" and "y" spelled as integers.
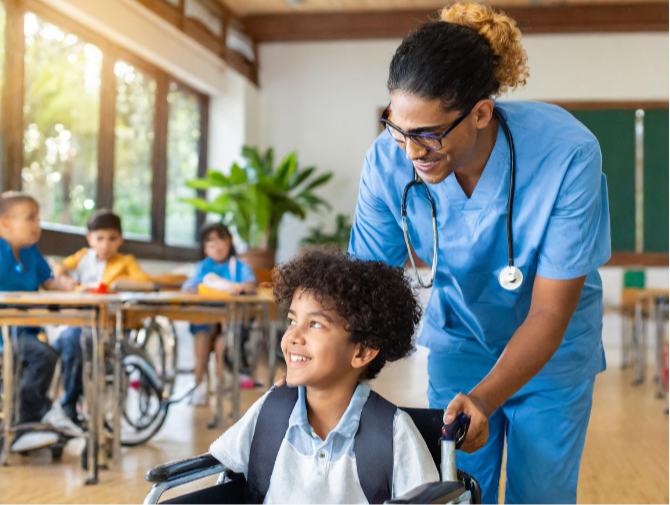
{"x": 144, "y": 408}
{"x": 158, "y": 339}
{"x": 251, "y": 349}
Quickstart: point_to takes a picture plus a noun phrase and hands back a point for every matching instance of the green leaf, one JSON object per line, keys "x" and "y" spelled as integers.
{"x": 217, "y": 177}
{"x": 300, "y": 177}
{"x": 237, "y": 175}
{"x": 286, "y": 169}
{"x": 252, "y": 156}
{"x": 202, "y": 184}
{"x": 270, "y": 189}
{"x": 319, "y": 181}
{"x": 269, "y": 161}
{"x": 313, "y": 201}
{"x": 290, "y": 206}
{"x": 259, "y": 205}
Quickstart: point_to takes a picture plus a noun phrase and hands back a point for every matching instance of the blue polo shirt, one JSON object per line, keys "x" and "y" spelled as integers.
{"x": 27, "y": 275}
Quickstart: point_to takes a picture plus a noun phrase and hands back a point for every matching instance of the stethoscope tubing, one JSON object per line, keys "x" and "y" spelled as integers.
{"x": 511, "y": 277}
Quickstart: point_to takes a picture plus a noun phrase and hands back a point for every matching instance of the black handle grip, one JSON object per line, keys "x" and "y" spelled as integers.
{"x": 456, "y": 430}
{"x": 162, "y": 473}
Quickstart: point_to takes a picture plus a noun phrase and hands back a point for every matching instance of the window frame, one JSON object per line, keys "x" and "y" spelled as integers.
{"x": 63, "y": 240}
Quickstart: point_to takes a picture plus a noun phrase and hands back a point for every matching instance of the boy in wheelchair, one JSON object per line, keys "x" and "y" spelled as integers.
{"x": 325, "y": 437}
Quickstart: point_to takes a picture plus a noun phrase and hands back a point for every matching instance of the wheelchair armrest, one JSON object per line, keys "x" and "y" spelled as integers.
{"x": 175, "y": 469}
{"x": 432, "y": 492}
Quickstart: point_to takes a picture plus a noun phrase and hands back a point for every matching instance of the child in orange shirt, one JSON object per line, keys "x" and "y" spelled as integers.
{"x": 101, "y": 263}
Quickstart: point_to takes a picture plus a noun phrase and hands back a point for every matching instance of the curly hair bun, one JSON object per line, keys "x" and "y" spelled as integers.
{"x": 502, "y": 35}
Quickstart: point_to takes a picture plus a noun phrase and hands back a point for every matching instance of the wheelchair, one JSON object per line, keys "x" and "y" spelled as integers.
{"x": 149, "y": 370}
{"x": 442, "y": 441}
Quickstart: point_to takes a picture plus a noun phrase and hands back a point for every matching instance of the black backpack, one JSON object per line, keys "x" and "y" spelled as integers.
{"x": 373, "y": 444}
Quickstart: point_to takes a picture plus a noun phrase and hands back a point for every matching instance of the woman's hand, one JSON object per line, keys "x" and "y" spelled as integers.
{"x": 471, "y": 406}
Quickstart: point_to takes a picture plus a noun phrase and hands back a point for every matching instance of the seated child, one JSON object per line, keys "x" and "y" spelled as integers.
{"x": 99, "y": 263}
{"x": 22, "y": 268}
{"x": 346, "y": 318}
{"x": 220, "y": 270}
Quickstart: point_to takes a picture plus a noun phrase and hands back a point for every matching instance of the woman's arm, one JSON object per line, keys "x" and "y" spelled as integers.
{"x": 375, "y": 234}
{"x": 576, "y": 242}
{"x": 531, "y": 347}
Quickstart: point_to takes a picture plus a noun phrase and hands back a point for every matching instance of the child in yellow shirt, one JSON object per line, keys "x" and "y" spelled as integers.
{"x": 100, "y": 263}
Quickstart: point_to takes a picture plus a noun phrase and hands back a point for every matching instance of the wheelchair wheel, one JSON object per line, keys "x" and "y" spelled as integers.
{"x": 251, "y": 342}
{"x": 144, "y": 408}
{"x": 158, "y": 339}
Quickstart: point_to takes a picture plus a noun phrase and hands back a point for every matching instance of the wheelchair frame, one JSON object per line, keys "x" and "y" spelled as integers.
{"x": 171, "y": 475}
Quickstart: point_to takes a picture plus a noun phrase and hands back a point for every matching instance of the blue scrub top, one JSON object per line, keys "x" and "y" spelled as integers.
{"x": 560, "y": 228}
{"x": 28, "y": 275}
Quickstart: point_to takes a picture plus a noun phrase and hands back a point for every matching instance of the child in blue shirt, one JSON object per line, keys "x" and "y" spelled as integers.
{"x": 223, "y": 271}
{"x": 22, "y": 268}
{"x": 346, "y": 319}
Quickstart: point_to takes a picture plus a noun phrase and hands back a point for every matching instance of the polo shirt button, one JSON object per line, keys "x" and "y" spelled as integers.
{"x": 322, "y": 455}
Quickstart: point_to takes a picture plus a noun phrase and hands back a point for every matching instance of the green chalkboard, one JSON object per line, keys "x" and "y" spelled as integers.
{"x": 615, "y": 131}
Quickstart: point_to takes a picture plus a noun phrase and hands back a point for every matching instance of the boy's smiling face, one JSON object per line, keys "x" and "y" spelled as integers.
{"x": 316, "y": 346}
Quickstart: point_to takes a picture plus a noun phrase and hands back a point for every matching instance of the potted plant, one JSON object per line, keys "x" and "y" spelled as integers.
{"x": 339, "y": 238}
{"x": 255, "y": 196}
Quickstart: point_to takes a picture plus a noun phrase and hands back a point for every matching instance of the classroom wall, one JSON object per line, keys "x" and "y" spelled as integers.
{"x": 134, "y": 27}
{"x": 323, "y": 98}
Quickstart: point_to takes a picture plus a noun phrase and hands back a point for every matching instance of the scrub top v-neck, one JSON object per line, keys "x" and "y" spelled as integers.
{"x": 561, "y": 231}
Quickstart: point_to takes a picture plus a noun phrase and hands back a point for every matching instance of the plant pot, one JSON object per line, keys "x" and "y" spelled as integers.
{"x": 261, "y": 261}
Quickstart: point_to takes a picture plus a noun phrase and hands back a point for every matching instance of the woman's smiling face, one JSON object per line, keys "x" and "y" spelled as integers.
{"x": 316, "y": 346}
{"x": 414, "y": 114}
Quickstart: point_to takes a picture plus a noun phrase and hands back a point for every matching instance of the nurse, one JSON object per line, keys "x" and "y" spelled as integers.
{"x": 520, "y": 363}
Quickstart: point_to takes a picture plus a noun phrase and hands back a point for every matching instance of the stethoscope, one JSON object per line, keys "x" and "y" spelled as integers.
{"x": 510, "y": 277}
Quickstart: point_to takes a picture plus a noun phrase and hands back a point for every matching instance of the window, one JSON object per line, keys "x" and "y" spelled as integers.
{"x": 97, "y": 127}
{"x": 60, "y": 121}
{"x": 133, "y": 147}
{"x": 184, "y": 124}
{"x": 3, "y": 25}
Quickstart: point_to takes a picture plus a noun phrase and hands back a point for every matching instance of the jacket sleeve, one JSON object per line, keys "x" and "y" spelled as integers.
{"x": 70, "y": 263}
{"x": 134, "y": 272}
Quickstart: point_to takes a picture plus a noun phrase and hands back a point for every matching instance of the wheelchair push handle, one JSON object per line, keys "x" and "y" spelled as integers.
{"x": 453, "y": 436}
{"x": 457, "y": 430}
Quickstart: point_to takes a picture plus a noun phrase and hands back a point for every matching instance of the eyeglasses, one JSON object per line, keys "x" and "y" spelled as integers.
{"x": 428, "y": 141}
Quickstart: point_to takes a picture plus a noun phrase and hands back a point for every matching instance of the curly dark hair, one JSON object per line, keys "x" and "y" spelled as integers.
{"x": 472, "y": 53}
{"x": 376, "y": 301}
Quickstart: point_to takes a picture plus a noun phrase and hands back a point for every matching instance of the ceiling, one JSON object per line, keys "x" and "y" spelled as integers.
{"x": 252, "y": 7}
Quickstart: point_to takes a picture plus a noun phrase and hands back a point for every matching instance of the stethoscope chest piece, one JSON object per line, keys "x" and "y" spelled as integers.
{"x": 510, "y": 278}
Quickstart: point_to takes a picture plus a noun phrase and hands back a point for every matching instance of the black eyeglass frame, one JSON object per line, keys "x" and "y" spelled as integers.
{"x": 414, "y": 136}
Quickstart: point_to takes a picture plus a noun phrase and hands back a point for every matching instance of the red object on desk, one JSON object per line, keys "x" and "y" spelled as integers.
{"x": 102, "y": 289}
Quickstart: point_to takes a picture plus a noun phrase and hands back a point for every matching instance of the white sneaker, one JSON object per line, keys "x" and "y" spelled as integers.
{"x": 199, "y": 395}
{"x": 57, "y": 418}
{"x": 34, "y": 440}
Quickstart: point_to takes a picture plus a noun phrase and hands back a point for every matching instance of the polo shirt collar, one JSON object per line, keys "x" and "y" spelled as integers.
{"x": 348, "y": 425}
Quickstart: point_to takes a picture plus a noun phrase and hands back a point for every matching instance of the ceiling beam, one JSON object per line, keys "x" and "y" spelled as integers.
{"x": 615, "y": 17}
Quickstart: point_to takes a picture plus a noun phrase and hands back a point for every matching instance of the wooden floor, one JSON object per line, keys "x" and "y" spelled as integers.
{"x": 625, "y": 458}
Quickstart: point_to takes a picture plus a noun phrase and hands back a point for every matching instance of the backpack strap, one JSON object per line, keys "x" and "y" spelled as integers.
{"x": 373, "y": 447}
{"x": 271, "y": 427}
